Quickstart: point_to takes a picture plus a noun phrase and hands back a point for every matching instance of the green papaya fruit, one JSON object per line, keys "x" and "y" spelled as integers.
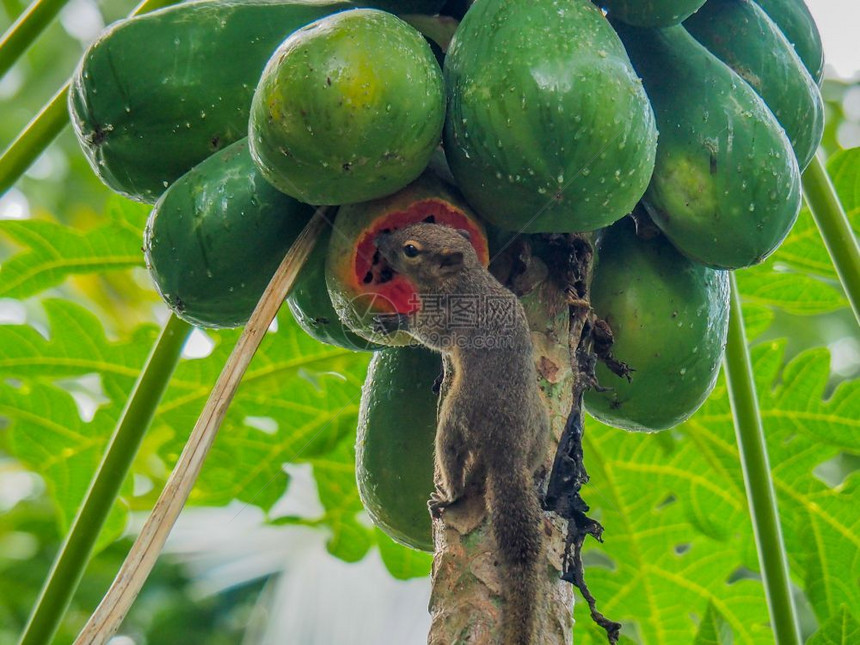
{"x": 394, "y": 445}
{"x": 348, "y": 109}
{"x": 669, "y": 318}
{"x": 548, "y": 128}
{"x": 311, "y": 305}
{"x": 740, "y": 34}
{"x": 216, "y": 236}
{"x": 726, "y": 185}
{"x": 651, "y": 13}
{"x": 798, "y": 26}
{"x": 158, "y": 93}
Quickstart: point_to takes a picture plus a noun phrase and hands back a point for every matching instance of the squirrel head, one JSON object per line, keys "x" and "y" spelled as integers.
{"x": 429, "y": 255}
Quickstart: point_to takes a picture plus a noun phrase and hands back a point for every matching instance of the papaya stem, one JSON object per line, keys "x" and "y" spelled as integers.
{"x": 75, "y": 552}
{"x": 47, "y": 124}
{"x": 757, "y": 481}
{"x": 38, "y": 135}
{"x": 25, "y": 30}
{"x": 829, "y": 216}
{"x": 141, "y": 558}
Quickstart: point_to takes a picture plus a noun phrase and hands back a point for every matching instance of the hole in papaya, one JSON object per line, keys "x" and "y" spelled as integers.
{"x": 376, "y": 276}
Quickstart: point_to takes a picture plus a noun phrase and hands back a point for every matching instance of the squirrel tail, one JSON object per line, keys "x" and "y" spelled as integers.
{"x": 516, "y": 524}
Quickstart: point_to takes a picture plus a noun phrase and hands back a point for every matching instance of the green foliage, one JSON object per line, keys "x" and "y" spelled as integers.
{"x": 55, "y": 252}
{"x": 674, "y": 505}
{"x": 679, "y": 559}
{"x": 840, "y": 629}
{"x": 46, "y": 431}
{"x": 678, "y": 564}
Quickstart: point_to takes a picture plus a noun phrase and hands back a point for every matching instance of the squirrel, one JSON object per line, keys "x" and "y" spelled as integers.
{"x": 492, "y": 425}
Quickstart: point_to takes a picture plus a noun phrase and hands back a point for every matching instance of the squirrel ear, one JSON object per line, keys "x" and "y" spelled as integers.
{"x": 465, "y": 234}
{"x": 449, "y": 261}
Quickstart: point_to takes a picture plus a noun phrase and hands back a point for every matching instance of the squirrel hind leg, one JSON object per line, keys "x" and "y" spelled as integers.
{"x": 451, "y": 458}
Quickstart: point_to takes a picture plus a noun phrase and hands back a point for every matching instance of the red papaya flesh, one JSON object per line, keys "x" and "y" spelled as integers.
{"x": 669, "y": 318}
{"x": 359, "y": 281}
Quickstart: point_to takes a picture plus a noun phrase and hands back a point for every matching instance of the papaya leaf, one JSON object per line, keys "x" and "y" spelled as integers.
{"x": 297, "y": 401}
{"x": 803, "y": 250}
{"x": 799, "y": 277}
{"x": 840, "y": 629}
{"x": 678, "y": 538}
{"x": 54, "y": 251}
{"x": 77, "y": 346}
{"x": 47, "y": 434}
{"x": 351, "y": 535}
{"x": 793, "y": 292}
{"x": 757, "y": 319}
{"x": 45, "y": 428}
{"x": 401, "y": 561}
{"x": 712, "y": 628}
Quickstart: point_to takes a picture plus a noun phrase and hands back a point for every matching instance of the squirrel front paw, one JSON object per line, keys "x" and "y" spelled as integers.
{"x": 438, "y": 502}
{"x": 387, "y": 324}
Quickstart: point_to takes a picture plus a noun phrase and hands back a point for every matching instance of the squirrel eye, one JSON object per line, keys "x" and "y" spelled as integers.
{"x": 410, "y": 250}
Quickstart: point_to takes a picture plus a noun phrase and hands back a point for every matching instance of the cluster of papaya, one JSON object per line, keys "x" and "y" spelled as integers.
{"x": 236, "y": 118}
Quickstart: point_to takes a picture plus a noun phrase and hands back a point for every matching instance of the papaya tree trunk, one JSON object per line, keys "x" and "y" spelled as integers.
{"x": 465, "y": 603}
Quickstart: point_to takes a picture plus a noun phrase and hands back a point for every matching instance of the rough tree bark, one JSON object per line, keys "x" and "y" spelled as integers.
{"x": 465, "y": 604}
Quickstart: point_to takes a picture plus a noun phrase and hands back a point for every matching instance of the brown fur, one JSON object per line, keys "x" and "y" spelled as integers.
{"x": 492, "y": 423}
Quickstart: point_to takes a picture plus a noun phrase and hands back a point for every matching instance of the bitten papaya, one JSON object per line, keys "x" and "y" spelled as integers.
{"x": 158, "y": 93}
{"x": 216, "y": 236}
{"x": 726, "y": 185}
{"x": 394, "y": 444}
{"x": 548, "y": 128}
{"x": 348, "y": 109}
{"x": 669, "y": 319}
{"x": 360, "y": 282}
{"x": 741, "y": 35}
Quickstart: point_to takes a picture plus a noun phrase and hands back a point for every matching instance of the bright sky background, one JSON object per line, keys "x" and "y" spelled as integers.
{"x": 839, "y": 24}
